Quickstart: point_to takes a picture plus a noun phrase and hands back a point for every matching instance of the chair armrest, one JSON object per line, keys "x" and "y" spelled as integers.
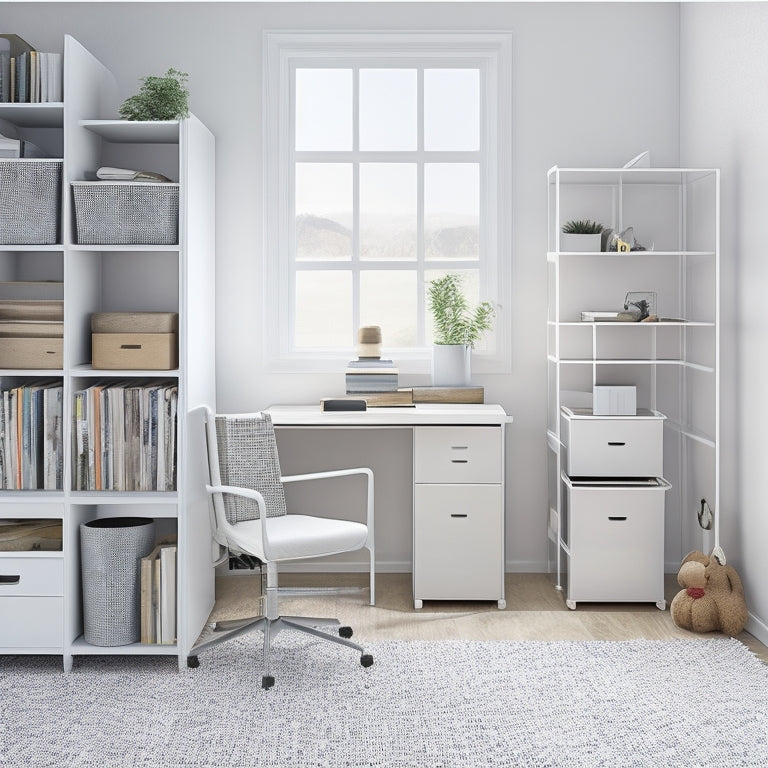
{"x": 229, "y": 529}
{"x": 343, "y": 473}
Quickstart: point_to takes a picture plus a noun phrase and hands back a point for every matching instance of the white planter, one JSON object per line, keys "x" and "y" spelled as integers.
{"x": 580, "y": 243}
{"x": 451, "y": 365}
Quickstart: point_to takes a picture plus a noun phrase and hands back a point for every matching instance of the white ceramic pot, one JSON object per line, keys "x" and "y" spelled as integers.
{"x": 451, "y": 365}
{"x": 580, "y": 243}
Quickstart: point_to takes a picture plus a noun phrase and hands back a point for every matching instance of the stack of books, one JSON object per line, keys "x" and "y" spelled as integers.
{"x": 371, "y": 374}
{"x": 27, "y": 75}
{"x": 158, "y": 595}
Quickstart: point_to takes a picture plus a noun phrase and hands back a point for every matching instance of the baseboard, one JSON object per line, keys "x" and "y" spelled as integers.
{"x": 757, "y": 628}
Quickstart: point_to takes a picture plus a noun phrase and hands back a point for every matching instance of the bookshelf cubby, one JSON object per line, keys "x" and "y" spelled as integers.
{"x": 45, "y": 605}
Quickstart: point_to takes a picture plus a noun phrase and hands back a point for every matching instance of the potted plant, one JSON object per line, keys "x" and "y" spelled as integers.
{"x": 159, "y": 98}
{"x": 456, "y": 330}
{"x": 582, "y": 235}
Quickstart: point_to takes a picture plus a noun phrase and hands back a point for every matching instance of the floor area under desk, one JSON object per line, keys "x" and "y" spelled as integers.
{"x": 535, "y": 611}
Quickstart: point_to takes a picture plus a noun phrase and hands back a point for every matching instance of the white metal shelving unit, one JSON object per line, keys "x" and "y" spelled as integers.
{"x": 674, "y": 363}
{"x": 117, "y": 278}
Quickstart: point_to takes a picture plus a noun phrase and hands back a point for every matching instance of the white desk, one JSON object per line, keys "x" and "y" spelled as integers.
{"x": 458, "y": 490}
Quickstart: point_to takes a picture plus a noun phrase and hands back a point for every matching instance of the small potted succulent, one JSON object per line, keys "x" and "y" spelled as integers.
{"x": 582, "y": 235}
{"x": 457, "y": 328}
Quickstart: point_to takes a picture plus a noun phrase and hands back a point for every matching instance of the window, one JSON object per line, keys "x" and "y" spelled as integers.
{"x": 386, "y": 159}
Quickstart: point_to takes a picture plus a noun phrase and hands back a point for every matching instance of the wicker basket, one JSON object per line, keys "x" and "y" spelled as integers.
{"x": 110, "y": 556}
{"x": 30, "y": 201}
{"x": 126, "y": 213}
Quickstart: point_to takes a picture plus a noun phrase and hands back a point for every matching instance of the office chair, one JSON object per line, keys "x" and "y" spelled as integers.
{"x": 249, "y": 518}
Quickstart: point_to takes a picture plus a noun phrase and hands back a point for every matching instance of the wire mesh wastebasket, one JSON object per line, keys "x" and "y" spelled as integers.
{"x": 110, "y": 555}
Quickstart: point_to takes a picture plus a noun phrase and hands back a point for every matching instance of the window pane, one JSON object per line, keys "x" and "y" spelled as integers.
{"x": 323, "y": 211}
{"x": 323, "y": 109}
{"x": 387, "y": 109}
{"x": 323, "y": 309}
{"x": 388, "y": 299}
{"x": 452, "y": 109}
{"x": 387, "y": 211}
{"x": 451, "y": 211}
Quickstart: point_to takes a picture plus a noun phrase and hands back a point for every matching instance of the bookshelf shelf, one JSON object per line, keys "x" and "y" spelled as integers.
{"x": 121, "y": 278}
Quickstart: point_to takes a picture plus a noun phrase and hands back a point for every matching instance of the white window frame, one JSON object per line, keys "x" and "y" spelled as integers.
{"x": 284, "y": 51}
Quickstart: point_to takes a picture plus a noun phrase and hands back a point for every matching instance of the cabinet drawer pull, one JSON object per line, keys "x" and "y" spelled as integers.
{"x": 459, "y": 461}
{"x": 458, "y": 514}
{"x": 610, "y": 442}
{"x": 459, "y": 447}
{"x": 617, "y": 517}
{"x": 9, "y": 579}
{"x": 130, "y": 346}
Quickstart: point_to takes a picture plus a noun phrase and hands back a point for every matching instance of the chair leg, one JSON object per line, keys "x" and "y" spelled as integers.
{"x": 322, "y": 635}
{"x": 251, "y": 625}
{"x": 308, "y": 621}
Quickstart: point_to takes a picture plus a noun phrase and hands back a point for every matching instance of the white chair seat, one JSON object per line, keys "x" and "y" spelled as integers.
{"x": 297, "y": 536}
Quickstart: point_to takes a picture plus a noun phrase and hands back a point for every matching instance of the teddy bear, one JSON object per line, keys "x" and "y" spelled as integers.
{"x": 712, "y": 598}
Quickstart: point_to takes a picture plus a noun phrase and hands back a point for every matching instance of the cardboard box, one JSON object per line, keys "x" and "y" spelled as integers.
{"x": 614, "y": 401}
{"x": 31, "y": 352}
{"x": 134, "y": 351}
{"x": 134, "y": 322}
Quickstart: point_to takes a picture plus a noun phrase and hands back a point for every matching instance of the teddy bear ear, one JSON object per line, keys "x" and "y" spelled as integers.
{"x": 696, "y": 556}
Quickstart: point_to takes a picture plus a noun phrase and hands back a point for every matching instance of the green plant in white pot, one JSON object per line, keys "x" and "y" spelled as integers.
{"x": 582, "y": 235}
{"x": 457, "y": 328}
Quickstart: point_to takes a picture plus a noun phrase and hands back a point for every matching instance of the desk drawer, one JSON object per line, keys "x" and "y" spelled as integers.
{"x": 32, "y": 622}
{"x": 614, "y": 447}
{"x": 458, "y": 542}
{"x": 457, "y": 455}
{"x": 31, "y": 576}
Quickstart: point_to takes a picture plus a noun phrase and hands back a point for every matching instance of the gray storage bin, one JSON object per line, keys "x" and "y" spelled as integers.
{"x": 110, "y": 556}
{"x": 126, "y": 213}
{"x": 30, "y": 201}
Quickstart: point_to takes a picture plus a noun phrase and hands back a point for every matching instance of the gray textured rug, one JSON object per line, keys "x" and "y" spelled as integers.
{"x": 577, "y": 704}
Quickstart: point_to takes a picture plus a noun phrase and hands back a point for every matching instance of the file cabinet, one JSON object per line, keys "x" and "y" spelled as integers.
{"x": 458, "y": 514}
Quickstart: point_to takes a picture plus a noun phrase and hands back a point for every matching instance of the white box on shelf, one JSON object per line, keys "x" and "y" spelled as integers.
{"x": 614, "y": 401}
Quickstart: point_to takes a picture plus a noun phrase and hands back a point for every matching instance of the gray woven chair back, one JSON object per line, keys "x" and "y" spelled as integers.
{"x": 248, "y": 459}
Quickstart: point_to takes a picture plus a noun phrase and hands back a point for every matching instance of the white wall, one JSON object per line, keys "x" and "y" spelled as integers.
{"x": 724, "y": 114}
{"x": 593, "y": 84}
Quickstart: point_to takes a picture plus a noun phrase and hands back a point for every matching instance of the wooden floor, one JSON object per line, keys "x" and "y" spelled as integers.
{"x": 535, "y": 611}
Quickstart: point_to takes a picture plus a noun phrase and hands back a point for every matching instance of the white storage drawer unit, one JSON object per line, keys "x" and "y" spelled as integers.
{"x": 616, "y": 540}
{"x": 613, "y": 446}
{"x": 31, "y": 603}
{"x": 458, "y": 542}
{"x": 457, "y": 455}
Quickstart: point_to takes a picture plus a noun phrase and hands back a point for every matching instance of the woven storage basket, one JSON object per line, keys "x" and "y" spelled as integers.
{"x": 30, "y": 201}
{"x": 110, "y": 555}
{"x": 126, "y": 213}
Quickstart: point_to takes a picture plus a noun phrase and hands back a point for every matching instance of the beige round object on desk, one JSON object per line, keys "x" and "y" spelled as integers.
{"x": 369, "y": 334}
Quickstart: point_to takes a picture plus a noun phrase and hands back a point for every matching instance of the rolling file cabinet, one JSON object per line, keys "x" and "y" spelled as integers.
{"x": 613, "y": 521}
{"x": 458, "y": 514}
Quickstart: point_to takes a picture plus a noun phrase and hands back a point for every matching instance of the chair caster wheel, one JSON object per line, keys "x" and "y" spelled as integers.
{"x": 366, "y": 660}
{"x": 193, "y": 662}
{"x": 345, "y": 631}
{"x": 267, "y": 682}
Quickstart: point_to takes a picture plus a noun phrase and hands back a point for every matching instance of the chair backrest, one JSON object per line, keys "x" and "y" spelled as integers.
{"x": 244, "y": 454}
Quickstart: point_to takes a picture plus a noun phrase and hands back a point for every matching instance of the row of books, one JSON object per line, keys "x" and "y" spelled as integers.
{"x": 124, "y": 437}
{"x": 30, "y": 77}
{"x": 371, "y": 374}
{"x": 31, "y": 455}
{"x": 158, "y": 595}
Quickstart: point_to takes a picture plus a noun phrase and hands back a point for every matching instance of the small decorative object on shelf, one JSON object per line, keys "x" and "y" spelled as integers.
{"x": 456, "y": 331}
{"x": 159, "y": 98}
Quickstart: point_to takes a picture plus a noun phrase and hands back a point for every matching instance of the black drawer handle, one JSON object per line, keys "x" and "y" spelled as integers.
{"x": 130, "y": 346}
{"x": 459, "y": 447}
{"x": 617, "y": 517}
{"x": 10, "y": 579}
{"x": 458, "y": 514}
{"x": 459, "y": 461}
{"x": 615, "y": 443}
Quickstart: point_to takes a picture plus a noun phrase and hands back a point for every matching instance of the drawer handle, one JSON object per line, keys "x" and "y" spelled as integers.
{"x": 458, "y": 514}
{"x": 459, "y": 447}
{"x": 10, "y": 579}
{"x": 459, "y": 461}
{"x": 615, "y": 443}
{"x": 130, "y": 346}
{"x": 617, "y": 517}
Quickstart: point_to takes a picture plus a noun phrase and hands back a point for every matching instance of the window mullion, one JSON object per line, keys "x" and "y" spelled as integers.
{"x": 355, "y": 203}
{"x": 420, "y": 287}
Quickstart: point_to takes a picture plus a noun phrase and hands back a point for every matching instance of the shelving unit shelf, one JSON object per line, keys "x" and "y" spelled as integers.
{"x": 673, "y": 363}
{"x": 176, "y": 278}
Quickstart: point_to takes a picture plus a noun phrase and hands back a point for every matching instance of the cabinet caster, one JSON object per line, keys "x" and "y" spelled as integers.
{"x": 193, "y": 662}
{"x": 267, "y": 681}
{"x": 345, "y": 632}
{"x": 502, "y": 604}
{"x": 571, "y": 604}
{"x": 418, "y": 604}
{"x": 661, "y": 605}
{"x": 366, "y": 660}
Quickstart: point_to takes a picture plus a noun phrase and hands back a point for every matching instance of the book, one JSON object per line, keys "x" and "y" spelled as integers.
{"x": 448, "y": 394}
{"x": 149, "y": 602}
{"x": 5, "y": 76}
{"x": 168, "y": 594}
{"x": 55, "y": 91}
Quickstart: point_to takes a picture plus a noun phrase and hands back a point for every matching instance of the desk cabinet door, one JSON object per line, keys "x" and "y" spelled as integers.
{"x": 458, "y": 542}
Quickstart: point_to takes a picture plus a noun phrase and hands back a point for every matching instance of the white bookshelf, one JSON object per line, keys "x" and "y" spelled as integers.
{"x": 120, "y": 278}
